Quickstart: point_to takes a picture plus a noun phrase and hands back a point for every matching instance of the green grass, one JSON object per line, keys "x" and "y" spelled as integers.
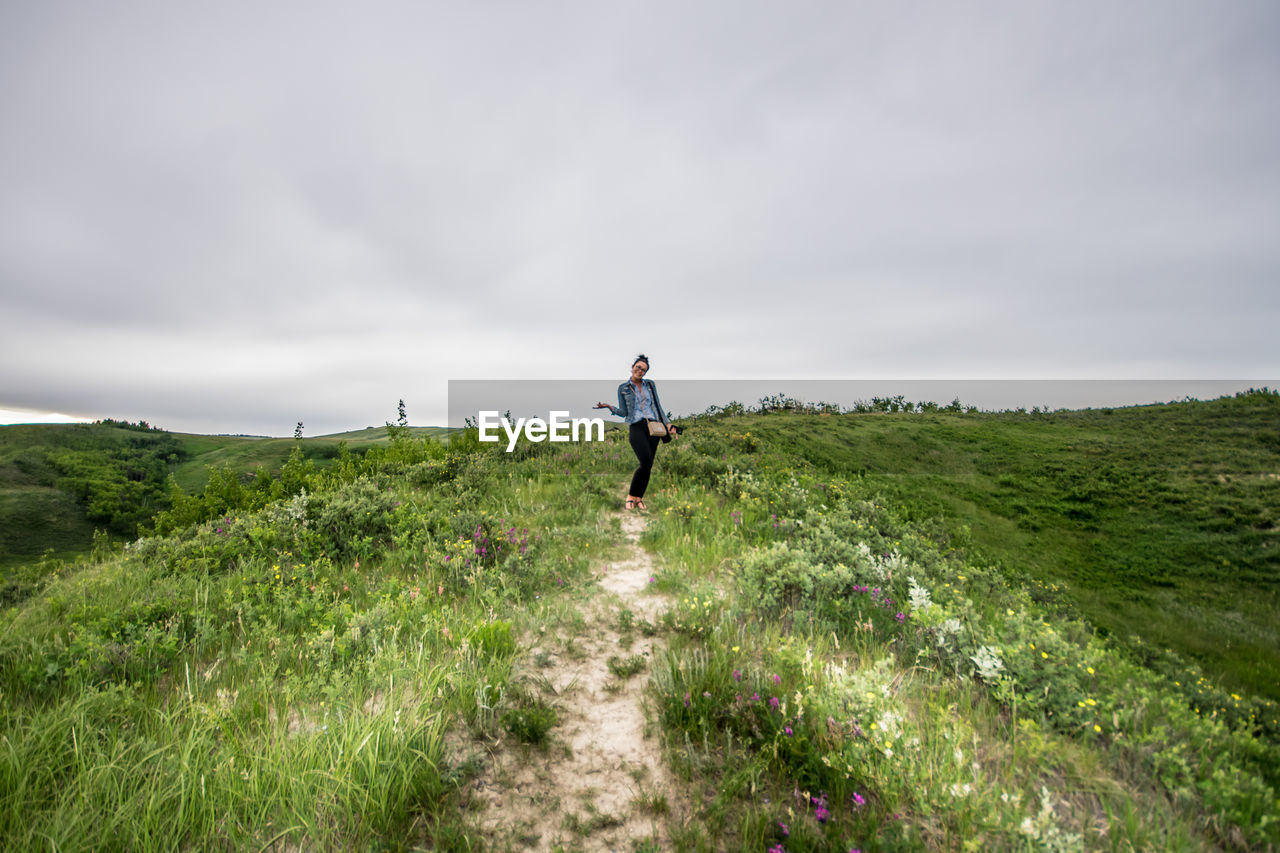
{"x": 1159, "y": 521}
{"x": 875, "y": 641}
{"x": 244, "y": 453}
{"x": 38, "y": 513}
{"x": 297, "y": 693}
{"x": 798, "y": 659}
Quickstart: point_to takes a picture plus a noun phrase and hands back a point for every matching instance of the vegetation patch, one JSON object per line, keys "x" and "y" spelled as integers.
{"x": 905, "y": 628}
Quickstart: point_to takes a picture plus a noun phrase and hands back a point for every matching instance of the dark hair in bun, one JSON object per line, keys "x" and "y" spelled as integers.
{"x": 641, "y": 357}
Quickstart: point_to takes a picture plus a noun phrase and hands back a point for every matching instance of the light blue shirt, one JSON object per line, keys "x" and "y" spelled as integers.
{"x": 645, "y": 409}
{"x": 636, "y": 406}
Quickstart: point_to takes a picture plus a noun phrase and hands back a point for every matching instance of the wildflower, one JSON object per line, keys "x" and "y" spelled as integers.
{"x": 787, "y": 731}
{"x": 1089, "y": 670}
{"x": 786, "y": 831}
{"x": 777, "y": 679}
{"x": 858, "y": 800}
{"x": 735, "y": 649}
{"x": 900, "y": 617}
{"x": 1097, "y": 728}
{"x": 773, "y": 702}
{"x": 686, "y": 700}
{"x": 737, "y": 675}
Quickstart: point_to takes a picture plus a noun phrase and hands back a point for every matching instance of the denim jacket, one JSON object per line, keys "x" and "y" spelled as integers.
{"x": 627, "y": 401}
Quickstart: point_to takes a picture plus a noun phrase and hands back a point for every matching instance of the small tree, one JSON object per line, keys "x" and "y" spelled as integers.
{"x": 297, "y": 431}
{"x": 404, "y": 419}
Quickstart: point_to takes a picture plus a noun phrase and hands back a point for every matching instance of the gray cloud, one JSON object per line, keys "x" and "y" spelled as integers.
{"x": 237, "y": 216}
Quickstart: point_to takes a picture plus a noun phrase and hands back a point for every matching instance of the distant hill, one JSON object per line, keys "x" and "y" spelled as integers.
{"x": 60, "y": 482}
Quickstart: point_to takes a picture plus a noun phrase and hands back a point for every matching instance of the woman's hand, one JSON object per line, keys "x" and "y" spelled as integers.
{"x": 602, "y": 406}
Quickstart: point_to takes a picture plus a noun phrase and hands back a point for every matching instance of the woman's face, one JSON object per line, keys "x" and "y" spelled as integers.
{"x": 638, "y": 370}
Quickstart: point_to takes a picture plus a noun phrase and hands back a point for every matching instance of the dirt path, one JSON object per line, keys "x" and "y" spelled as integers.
{"x": 601, "y": 784}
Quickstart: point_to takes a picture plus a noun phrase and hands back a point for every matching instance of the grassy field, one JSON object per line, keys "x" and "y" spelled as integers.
{"x": 874, "y": 641}
{"x": 39, "y": 516}
{"x": 1155, "y": 521}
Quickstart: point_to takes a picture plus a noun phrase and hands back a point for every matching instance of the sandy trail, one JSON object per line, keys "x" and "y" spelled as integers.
{"x": 601, "y": 784}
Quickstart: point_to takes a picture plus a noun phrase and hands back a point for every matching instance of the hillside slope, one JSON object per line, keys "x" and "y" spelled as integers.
{"x": 60, "y": 482}
{"x": 342, "y": 667}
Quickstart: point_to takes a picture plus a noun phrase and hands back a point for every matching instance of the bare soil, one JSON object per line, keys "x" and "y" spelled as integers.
{"x": 600, "y": 784}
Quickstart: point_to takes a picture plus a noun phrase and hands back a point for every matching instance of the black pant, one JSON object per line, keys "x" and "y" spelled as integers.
{"x": 646, "y": 447}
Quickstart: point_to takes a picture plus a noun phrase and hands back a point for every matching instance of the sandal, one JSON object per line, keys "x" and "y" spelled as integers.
{"x": 640, "y": 504}
{"x": 631, "y": 503}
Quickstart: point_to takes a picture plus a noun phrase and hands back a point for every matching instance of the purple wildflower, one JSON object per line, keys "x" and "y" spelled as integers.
{"x": 787, "y": 731}
{"x": 786, "y": 831}
{"x": 737, "y": 675}
{"x": 858, "y": 801}
{"x": 777, "y": 679}
{"x": 774, "y": 703}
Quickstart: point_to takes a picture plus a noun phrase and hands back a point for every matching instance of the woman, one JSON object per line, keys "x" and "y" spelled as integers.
{"x": 638, "y": 404}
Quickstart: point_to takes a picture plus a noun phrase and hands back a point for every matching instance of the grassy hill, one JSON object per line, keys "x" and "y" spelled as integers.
{"x": 1156, "y": 521}
{"x": 40, "y": 510}
{"x": 246, "y": 454}
{"x": 879, "y": 612}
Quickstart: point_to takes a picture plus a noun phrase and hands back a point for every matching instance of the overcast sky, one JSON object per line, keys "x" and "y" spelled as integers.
{"x": 233, "y": 216}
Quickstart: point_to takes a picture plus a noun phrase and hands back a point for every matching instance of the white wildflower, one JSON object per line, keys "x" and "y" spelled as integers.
{"x": 988, "y": 663}
{"x": 919, "y": 596}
